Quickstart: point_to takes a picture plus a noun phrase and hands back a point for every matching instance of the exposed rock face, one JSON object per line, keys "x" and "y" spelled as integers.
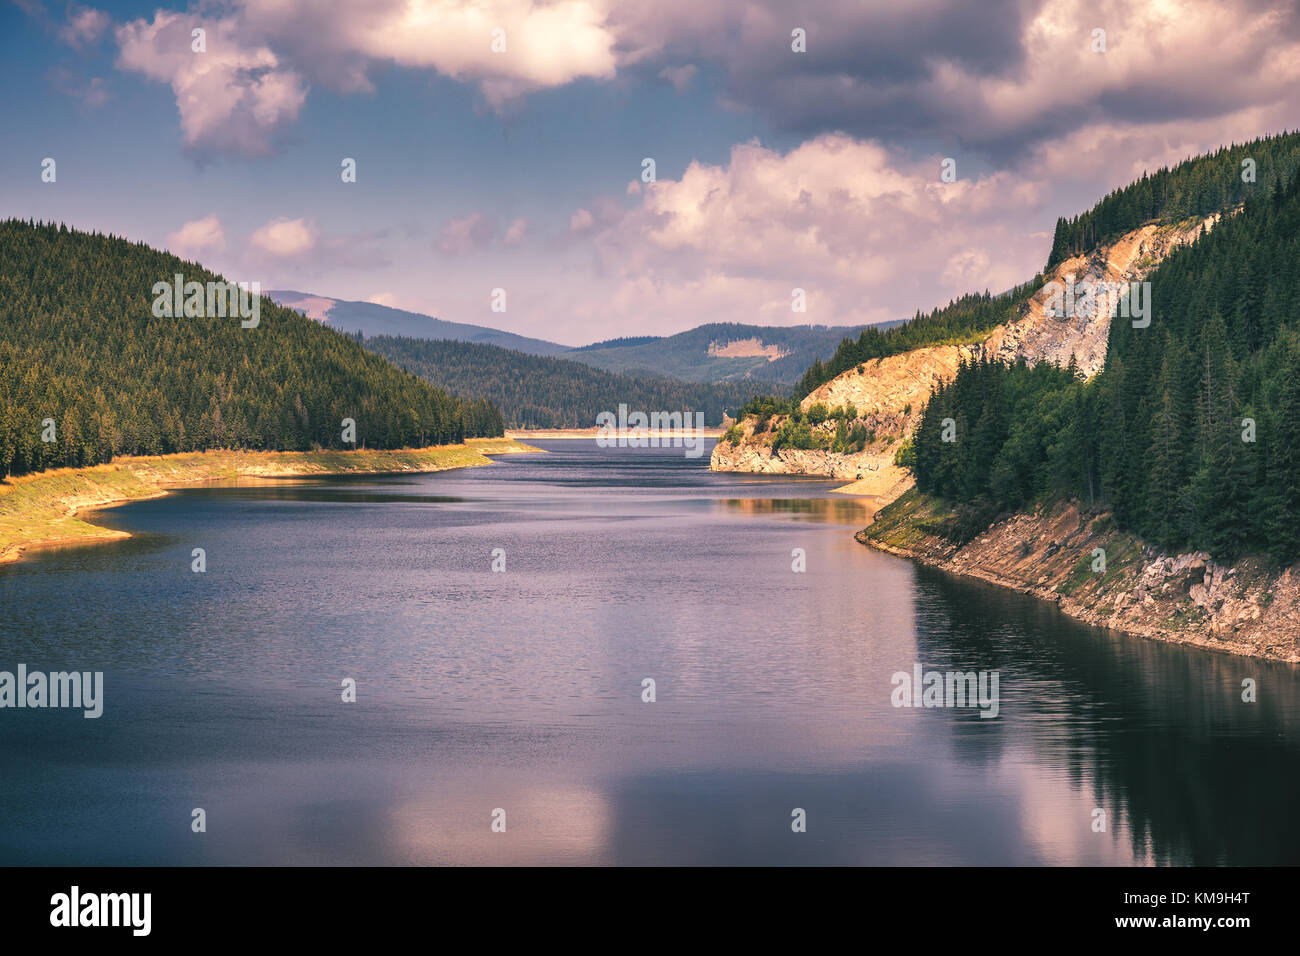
{"x": 890, "y": 393}
{"x": 1183, "y": 598}
{"x": 1038, "y": 337}
{"x": 889, "y": 396}
{"x": 747, "y": 348}
{"x": 873, "y": 472}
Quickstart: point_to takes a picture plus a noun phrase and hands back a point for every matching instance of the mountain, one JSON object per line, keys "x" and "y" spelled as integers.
{"x": 369, "y": 319}
{"x": 87, "y": 359}
{"x": 1190, "y": 435}
{"x": 1160, "y": 496}
{"x": 717, "y": 352}
{"x": 553, "y": 392}
{"x": 886, "y": 379}
{"x": 722, "y": 352}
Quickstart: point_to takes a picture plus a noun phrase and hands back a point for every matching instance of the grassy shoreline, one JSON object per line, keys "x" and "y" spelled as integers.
{"x": 44, "y": 509}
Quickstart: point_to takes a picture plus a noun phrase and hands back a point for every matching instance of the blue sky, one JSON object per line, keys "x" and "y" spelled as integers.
{"x": 520, "y": 169}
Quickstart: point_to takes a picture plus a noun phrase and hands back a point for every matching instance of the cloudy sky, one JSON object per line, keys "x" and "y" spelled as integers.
{"x": 522, "y": 168}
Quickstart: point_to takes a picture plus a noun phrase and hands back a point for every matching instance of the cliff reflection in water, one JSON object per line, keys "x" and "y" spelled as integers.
{"x": 1160, "y": 736}
{"x": 838, "y": 510}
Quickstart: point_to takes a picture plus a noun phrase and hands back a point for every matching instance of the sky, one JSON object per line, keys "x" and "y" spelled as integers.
{"x": 502, "y": 144}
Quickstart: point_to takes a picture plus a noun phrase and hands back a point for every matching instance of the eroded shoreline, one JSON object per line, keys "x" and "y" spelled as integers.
{"x": 1246, "y": 609}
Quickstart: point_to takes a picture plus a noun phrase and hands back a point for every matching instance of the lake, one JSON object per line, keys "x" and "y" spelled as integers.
{"x": 521, "y": 690}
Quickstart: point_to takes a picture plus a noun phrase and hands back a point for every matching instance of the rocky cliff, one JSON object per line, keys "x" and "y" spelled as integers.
{"x": 872, "y": 472}
{"x": 1038, "y": 336}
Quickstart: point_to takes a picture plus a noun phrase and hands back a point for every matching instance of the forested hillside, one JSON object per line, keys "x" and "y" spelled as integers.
{"x": 1191, "y": 433}
{"x": 623, "y": 341}
{"x": 1193, "y": 189}
{"x": 535, "y": 391}
{"x": 79, "y": 344}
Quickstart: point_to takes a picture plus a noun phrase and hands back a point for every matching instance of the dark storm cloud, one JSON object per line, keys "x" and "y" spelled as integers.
{"x": 1000, "y": 78}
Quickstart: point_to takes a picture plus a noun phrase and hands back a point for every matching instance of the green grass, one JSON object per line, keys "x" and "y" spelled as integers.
{"x": 908, "y": 520}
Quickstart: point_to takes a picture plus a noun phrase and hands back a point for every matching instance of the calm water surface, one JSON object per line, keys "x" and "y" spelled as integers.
{"x": 522, "y": 690}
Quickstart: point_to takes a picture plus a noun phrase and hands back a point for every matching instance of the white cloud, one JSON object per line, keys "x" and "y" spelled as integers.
{"x": 869, "y": 235}
{"x": 547, "y": 44}
{"x": 600, "y": 213}
{"x": 230, "y": 98}
{"x": 581, "y": 221}
{"x": 468, "y": 234}
{"x": 92, "y": 92}
{"x": 197, "y": 237}
{"x": 516, "y": 233}
{"x": 285, "y": 238}
{"x": 251, "y": 81}
{"x": 84, "y": 26}
{"x": 679, "y": 76}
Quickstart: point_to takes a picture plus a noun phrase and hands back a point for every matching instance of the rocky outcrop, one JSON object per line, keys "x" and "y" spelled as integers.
{"x": 872, "y": 473}
{"x": 747, "y": 348}
{"x": 1108, "y": 578}
{"x": 1038, "y": 336}
{"x": 890, "y": 393}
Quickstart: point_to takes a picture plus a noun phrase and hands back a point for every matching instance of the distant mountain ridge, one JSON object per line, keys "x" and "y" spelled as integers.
{"x": 714, "y": 352}
{"x": 370, "y": 318}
